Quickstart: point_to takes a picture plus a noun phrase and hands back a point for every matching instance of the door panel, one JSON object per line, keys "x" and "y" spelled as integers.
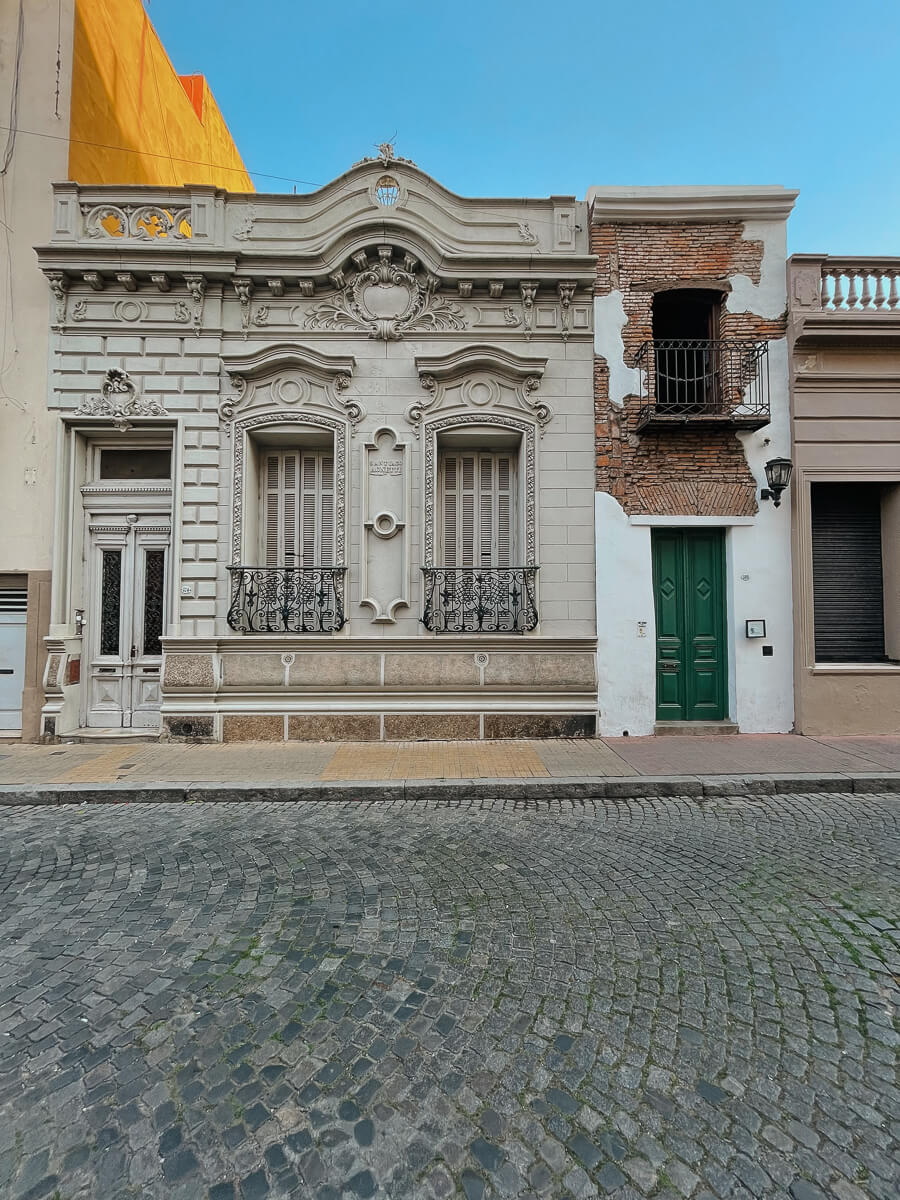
{"x": 127, "y": 567}
{"x": 688, "y": 585}
{"x": 668, "y": 587}
{"x": 13, "y": 602}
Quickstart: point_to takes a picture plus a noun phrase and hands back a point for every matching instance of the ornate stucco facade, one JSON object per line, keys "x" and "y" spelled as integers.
{"x": 423, "y": 360}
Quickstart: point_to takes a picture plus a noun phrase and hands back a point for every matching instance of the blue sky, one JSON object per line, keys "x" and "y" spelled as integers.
{"x": 516, "y": 97}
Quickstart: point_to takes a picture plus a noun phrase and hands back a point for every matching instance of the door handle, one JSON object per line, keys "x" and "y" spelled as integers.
{"x": 134, "y": 651}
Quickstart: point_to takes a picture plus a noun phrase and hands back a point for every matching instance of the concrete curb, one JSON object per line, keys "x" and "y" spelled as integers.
{"x": 696, "y": 787}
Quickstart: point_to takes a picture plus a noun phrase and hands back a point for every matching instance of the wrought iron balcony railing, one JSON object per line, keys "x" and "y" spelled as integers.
{"x": 480, "y": 599}
{"x": 692, "y": 381}
{"x": 287, "y": 599}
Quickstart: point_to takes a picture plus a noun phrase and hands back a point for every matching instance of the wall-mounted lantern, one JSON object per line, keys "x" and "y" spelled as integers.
{"x": 778, "y": 476}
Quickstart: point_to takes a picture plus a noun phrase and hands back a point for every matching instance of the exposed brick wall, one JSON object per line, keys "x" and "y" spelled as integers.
{"x": 672, "y": 472}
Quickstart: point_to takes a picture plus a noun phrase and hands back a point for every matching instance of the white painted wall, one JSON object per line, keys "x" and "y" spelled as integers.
{"x": 757, "y": 584}
{"x": 758, "y": 550}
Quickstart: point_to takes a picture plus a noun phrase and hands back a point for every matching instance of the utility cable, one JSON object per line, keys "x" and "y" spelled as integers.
{"x": 14, "y": 98}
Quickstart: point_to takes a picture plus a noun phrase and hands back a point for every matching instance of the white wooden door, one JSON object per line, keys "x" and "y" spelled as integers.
{"x": 13, "y": 604}
{"x": 127, "y": 571}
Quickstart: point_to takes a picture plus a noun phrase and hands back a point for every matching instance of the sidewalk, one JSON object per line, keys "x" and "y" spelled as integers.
{"x": 606, "y": 766}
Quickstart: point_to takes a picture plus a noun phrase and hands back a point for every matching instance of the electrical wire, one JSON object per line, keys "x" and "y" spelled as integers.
{"x": 14, "y": 98}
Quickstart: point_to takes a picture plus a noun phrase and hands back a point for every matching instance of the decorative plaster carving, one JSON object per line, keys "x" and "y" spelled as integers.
{"x": 276, "y": 286}
{"x": 242, "y": 426}
{"x": 464, "y": 287}
{"x": 495, "y": 288}
{"x": 243, "y": 285}
{"x": 261, "y": 314}
{"x": 526, "y": 234}
{"x": 307, "y": 287}
{"x": 196, "y": 285}
{"x": 162, "y": 281}
{"x": 79, "y": 310}
{"x": 94, "y": 280}
{"x": 526, "y": 428}
{"x": 566, "y": 289}
{"x": 511, "y": 317}
{"x": 267, "y": 369}
{"x": 385, "y": 156}
{"x": 385, "y": 300}
{"x": 477, "y": 368}
{"x": 144, "y": 223}
{"x": 182, "y": 313}
{"x": 127, "y": 280}
{"x": 130, "y": 310}
{"x": 59, "y": 286}
{"x": 119, "y": 400}
{"x": 244, "y": 228}
{"x": 528, "y": 288}
{"x": 385, "y": 497}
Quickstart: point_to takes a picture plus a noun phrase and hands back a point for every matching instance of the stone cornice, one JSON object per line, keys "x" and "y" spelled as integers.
{"x": 768, "y": 203}
{"x": 288, "y": 354}
{"x": 873, "y": 327}
{"x": 515, "y": 367}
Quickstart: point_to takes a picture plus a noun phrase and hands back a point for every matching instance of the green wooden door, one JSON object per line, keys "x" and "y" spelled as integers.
{"x": 689, "y": 594}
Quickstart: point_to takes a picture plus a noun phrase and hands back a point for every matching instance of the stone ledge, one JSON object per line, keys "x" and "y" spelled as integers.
{"x": 689, "y": 787}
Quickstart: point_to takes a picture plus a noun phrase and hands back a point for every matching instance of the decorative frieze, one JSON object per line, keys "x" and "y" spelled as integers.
{"x": 143, "y": 222}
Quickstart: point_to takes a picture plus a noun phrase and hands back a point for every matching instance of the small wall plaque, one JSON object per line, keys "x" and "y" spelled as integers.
{"x": 756, "y": 629}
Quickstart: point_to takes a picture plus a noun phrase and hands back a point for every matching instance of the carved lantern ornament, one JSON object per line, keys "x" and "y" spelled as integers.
{"x": 386, "y": 299}
{"x": 119, "y": 400}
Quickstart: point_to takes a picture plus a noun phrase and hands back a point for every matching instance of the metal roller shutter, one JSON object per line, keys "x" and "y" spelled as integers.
{"x": 848, "y": 587}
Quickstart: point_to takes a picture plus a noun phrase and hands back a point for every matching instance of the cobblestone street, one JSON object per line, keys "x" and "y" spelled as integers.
{"x": 651, "y": 998}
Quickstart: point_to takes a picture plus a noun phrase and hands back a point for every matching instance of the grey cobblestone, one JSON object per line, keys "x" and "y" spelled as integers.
{"x": 458, "y": 998}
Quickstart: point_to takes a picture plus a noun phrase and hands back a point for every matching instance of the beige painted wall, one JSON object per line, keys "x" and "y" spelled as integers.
{"x": 846, "y": 427}
{"x": 27, "y": 429}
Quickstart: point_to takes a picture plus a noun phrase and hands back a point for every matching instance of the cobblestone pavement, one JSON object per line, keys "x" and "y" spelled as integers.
{"x": 656, "y": 998}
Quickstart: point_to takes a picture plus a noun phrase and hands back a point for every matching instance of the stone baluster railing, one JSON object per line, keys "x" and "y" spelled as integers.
{"x": 859, "y": 287}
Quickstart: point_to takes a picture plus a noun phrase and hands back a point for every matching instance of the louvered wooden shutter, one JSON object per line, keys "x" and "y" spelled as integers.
{"x": 450, "y": 510}
{"x": 848, "y": 585}
{"x": 299, "y": 509}
{"x": 478, "y": 510}
{"x": 272, "y": 516}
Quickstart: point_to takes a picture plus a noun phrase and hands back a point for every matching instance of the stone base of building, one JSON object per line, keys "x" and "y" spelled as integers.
{"x": 376, "y": 727}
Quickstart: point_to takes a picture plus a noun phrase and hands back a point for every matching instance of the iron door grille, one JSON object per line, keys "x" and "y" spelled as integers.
{"x": 848, "y": 586}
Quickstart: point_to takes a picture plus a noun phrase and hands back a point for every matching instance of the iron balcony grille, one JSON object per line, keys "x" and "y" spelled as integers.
{"x": 696, "y": 381}
{"x": 286, "y": 599}
{"x": 480, "y": 599}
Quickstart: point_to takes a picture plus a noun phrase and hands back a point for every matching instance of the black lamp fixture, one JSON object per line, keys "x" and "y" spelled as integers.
{"x": 778, "y": 476}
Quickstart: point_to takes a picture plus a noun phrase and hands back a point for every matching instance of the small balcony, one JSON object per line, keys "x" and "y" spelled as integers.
{"x": 286, "y": 599}
{"x": 480, "y": 599}
{"x": 703, "y": 383}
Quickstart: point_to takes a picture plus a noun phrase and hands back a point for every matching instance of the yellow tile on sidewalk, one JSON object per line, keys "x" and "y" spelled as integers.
{"x": 104, "y": 768}
{"x": 434, "y": 760}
